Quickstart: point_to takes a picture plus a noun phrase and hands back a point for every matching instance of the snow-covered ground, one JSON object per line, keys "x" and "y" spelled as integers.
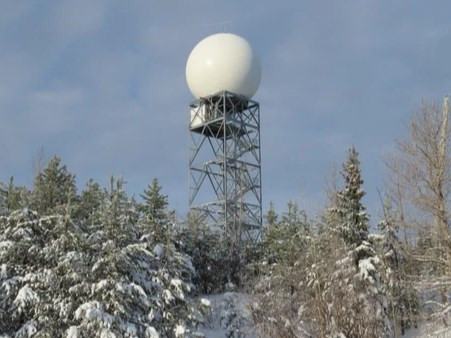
{"x": 428, "y": 331}
{"x": 423, "y": 332}
{"x": 229, "y": 316}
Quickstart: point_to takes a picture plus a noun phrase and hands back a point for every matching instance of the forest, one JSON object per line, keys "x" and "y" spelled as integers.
{"x": 97, "y": 262}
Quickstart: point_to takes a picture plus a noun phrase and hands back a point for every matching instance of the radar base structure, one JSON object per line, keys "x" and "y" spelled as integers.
{"x": 225, "y": 165}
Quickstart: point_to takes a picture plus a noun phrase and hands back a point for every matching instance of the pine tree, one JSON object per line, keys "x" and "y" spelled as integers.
{"x": 155, "y": 203}
{"x": 155, "y": 215}
{"x": 208, "y": 251}
{"x": 41, "y": 265}
{"x": 140, "y": 286}
{"x": 116, "y": 213}
{"x": 12, "y": 197}
{"x": 90, "y": 273}
{"x": 284, "y": 240}
{"x": 271, "y": 216}
{"x": 53, "y": 187}
{"x": 90, "y": 201}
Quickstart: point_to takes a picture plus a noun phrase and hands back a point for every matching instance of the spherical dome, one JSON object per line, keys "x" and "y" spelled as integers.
{"x": 223, "y": 62}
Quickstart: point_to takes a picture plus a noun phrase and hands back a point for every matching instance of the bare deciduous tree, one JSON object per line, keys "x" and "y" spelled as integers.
{"x": 419, "y": 185}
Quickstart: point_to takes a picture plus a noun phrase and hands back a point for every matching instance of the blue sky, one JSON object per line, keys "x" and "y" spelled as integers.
{"x": 102, "y": 85}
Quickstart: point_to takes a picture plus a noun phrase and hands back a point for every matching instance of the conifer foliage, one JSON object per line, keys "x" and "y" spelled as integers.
{"x": 209, "y": 252}
{"x": 54, "y": 187}
{"x": 3, "y": 199}
{"x": 87, "y": 265}
{"x": 154, "y": 212}
{"x": 351, "y": 220}
{"x": 323, "y": 281}
{"x": 99, "y": 263}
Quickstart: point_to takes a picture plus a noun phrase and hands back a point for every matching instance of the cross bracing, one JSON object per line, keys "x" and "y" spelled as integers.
{"x": 225, "y": 164}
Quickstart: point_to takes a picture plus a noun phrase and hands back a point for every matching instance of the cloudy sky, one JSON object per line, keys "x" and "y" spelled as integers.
{"x": 102, "y": 84}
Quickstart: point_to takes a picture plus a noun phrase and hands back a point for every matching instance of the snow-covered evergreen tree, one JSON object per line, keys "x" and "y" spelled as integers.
{"x": 53, "y": 187}
{"x": 13, "y": 197}
{"x": 271, "y": 216}
{"x": 277, "y": 291}
{"x": 326, "y": 283}
{"x": 155, "y": 214}
{"x": 284, "y": 240}
{"x": 91, "y": 199}
{"x": 155, "y": 203}
{"x": 348, "y": 215}
{"x": 92, "y": 272}
{"x": 358, "y": 273}
{"x": 138, "y": 287}
{"x": 208, "y": 251}
{"x": 41, "y": 260}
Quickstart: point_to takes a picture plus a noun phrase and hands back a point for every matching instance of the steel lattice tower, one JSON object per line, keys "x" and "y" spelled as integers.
{"x": 225, "y": 164}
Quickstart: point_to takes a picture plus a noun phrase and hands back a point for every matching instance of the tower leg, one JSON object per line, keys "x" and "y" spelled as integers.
{"x": 225, "y": 167}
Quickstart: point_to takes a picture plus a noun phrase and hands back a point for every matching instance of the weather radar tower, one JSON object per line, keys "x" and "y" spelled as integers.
{"x": 223, "y": 73}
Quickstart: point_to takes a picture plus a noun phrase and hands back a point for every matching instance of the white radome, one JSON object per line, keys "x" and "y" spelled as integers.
{"x": 223, "y": 61}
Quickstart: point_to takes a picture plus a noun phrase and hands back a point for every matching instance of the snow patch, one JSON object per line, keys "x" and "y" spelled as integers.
{"x": 230, "y": 316}
{"x": 93, "y": 311}
{"x": 72, "y": 332}
{"x": 180, "y": 331}
{"x": 24, "y": 297}
{"x": 205, "y": 302}
{"x": 100, "y": 285}
{"x": 3, "y": 271}
{"x": 27, "y": 330}
{"x": 178, "y": 284}
{"x": 151, "y": 332}
{"x": 107, "y": 334}
{"x": 158, "y": 250}
{"x": 167, "y": 296}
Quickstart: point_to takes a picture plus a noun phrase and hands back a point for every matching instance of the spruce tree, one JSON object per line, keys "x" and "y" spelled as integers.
{"x": 358, "y": 278}
{"x": 350, "y": 215}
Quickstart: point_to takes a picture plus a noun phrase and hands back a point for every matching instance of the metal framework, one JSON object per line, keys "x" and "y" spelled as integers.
{"x": 225, "y": 164}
